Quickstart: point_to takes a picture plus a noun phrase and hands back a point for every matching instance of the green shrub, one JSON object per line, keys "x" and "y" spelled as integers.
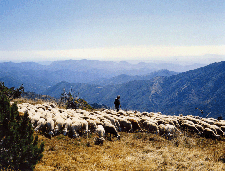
{"x": 11, "y": 93}
{"x": 19, "y": 150}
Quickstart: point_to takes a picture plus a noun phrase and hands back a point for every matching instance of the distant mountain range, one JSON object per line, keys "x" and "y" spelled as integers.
{"x": 202, "y": 88}
{"x": 143, "y": 86}
{"x": 38, "y": 78}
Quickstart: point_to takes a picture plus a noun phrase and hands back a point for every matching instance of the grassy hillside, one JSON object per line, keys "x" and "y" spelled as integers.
{"x": 135, "y": 151}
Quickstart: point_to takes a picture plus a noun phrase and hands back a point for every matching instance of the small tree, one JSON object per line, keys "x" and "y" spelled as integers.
{"x": 11, "y": 93}
{"x": 18, "y": 147}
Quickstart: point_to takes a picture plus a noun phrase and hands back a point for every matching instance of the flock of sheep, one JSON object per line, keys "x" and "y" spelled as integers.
{"x": 53, "y": 120}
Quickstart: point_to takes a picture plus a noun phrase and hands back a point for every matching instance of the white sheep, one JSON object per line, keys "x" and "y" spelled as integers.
{"x": 75, "y": 128}
{"x": 67, "y": 126}
{"x": 40, "y": 124}
{"x": 169, "y": 131}
{"x": 209, "y": 133}
{"x": 59, "y": 123}
{"x": 84, "y": 128}
{"x": 204, "y": 124}
{"x": 109, "y": 128}
{"x": 187, "y": 125}
{"x": 50, "y": 126}
{"x": 135, "y": 122}
{"x": 216, "y": 129}
{"x": 125, "y": 125}
{"x": 56, "y": 120}
{"x": 34, "y": 119}
{"x": 79, "y": 126}
{"x": 220, "y": 123}
{"x": 92, "y": 125}
{"x": 100, "y": 132}
{"x": 223, "y": 128}
{"x": 210, "y": 121}
{"x": 199, "y": 127}
{"x": 151, "y": 127}
{"x": 113, "y": 121}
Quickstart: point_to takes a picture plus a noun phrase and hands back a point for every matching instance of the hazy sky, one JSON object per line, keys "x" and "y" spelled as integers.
{"x": 185, "y": 30}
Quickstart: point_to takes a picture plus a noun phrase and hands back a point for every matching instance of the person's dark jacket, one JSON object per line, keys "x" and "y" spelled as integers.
{"x": 117, "y": 103}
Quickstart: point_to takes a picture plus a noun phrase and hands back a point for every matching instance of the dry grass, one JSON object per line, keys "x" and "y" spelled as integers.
{"x": 33, "y": 102}
{"x": 135, "y": 151}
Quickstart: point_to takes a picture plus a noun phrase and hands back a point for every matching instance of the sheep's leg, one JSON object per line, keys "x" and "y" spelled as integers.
{"x": 87, "y": 133}
{"x": 37, "y": 128}
{"x": 75, "y": 134}
{"x": 65, "y": 131}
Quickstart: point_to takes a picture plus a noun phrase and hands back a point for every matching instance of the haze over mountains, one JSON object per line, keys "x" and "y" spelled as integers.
{"x": 142, "y": 86}
{"x": 38, "y": 78}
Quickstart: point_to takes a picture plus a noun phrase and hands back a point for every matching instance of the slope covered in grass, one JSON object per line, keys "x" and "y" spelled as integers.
{"x": 135, "y": 151}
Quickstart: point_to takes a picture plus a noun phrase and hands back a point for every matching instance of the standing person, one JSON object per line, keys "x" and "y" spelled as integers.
{"x": 117, "y": 103}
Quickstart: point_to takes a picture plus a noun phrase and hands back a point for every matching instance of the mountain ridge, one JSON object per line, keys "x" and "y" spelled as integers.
{"x": 182, "y": 93}
{"x": 38, "y": 78}
{"x": 162, "y": 91}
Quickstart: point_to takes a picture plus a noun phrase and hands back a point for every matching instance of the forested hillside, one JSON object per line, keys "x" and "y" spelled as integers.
{"x": 202, "y": 88}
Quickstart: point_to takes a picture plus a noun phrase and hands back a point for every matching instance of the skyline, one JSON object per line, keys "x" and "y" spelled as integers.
{"x": 187, "y": 31}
